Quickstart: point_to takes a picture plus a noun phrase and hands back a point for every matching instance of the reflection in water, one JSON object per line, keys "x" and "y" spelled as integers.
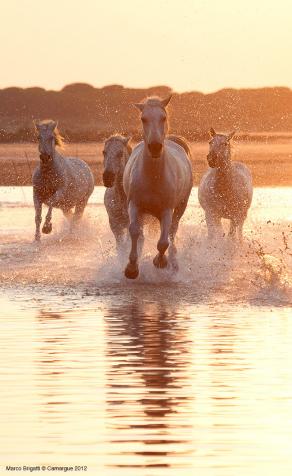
{"x": 147, "y": 361}
{"x": 69, "y": 376}
{"x": 50, "y": 365}
{"x": 160, "y": 377}
{"x": 142, "y": 382}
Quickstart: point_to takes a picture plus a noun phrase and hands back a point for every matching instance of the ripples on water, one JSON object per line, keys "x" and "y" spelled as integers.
{"x": 167, "y": 375}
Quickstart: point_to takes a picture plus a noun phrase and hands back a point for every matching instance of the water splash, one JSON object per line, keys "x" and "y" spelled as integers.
{"x": 86, "y": 259}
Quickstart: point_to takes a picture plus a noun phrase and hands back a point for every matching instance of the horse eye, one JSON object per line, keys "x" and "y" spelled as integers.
{"x": 144, "y": 120}
{"x": 103, "y": 152}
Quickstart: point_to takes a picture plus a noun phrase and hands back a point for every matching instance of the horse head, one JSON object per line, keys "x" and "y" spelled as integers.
{"x": 116, "y": 152}
{"x": 219, "y": 149}
{"x": 154, "y": 121}
{"x": 48, "y": 138}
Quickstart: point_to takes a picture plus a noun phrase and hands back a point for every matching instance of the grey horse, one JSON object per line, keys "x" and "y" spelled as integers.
{"x": 58, "y": 182}
{"x": 225, "y": 190}
{"x": 116, "y": 153}
{"x": 157, "y": 181}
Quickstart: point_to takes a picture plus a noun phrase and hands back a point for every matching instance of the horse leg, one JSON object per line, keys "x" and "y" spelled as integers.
{"x": 240, "y": 229}
{"x": 132, "y": 269}
{"x": 177, "y": 214}
{"x": 118, "y": 232}
{"x": 38, "y": 216}
{"x": 78, "y": 212}
{"x": 67, "y": 212}
{"x": 160, "y": 260}
{"x": 232, "y": 229}
{"x": 47, "y": 228}
{"x": 214, "y": 225}
{"x": 141, "y": 241}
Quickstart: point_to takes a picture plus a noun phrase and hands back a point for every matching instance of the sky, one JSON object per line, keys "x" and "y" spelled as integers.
{"x": 202, "y": 45}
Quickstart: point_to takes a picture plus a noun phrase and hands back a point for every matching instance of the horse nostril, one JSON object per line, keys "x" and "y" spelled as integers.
{"x": 44, "y": 156}
{"x": 155, "y": 148}
{"x": 108, "y": 178}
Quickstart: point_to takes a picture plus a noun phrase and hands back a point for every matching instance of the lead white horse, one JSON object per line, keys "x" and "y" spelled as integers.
{"x": 58, "y": 182}
{"x": 157, "y": 181}
{"x": 225, "y": 190}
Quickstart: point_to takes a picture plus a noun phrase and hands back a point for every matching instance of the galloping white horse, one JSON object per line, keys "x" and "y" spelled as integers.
{"x": 116, "y": 153}
{"x": 157, "y": 181}
{"x": 226, "y": 188}
{"x": 58, "y": 181}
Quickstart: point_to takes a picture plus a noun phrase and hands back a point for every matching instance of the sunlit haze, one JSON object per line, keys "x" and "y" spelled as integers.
{"x": 146, "y": 237}
{"x": 189, "y": 45}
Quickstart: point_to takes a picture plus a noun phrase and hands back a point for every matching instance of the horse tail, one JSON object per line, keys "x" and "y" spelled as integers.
{"x": 180, "y": 141}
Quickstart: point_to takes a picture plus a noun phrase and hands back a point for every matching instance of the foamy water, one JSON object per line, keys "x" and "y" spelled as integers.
{"x": 171, "y": 374}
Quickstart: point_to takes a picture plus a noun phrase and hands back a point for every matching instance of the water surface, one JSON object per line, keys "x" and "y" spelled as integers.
{"x": 185, "y": 374}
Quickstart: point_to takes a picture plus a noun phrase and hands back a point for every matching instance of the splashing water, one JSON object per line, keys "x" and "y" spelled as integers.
{"x": 259, "y": 267}
{"x": 172, "y": 374}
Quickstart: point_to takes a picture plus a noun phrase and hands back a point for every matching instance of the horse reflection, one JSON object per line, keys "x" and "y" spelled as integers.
{"x": 148, "y": 355}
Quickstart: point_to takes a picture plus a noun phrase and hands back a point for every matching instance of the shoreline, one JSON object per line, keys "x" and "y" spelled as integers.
{"x": 270, "y": 164}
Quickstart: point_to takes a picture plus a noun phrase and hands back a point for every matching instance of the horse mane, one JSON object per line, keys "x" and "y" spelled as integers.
{"x": 120, "y": 138}
{"x": 180, "y": 141}
{"x": 59, "y": 140}
{"x": 154, "y": 101}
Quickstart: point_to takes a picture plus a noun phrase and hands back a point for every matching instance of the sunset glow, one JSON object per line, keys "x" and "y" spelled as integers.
{"x": 146, "y": 237}
{"x": 189, "y": 45}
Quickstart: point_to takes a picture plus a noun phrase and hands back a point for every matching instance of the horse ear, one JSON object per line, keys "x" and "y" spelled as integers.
{"x": 165, "y": 101}
{"x": 231, "y": 135}
{"x": 212, "y": 132}
{"x": 127, "y": 139}
{"x": 36, "y": 123}
{"x": 139, "y": 106}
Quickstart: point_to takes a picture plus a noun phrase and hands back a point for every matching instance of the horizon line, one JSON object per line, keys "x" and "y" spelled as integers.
{"x": 109, "y": 85}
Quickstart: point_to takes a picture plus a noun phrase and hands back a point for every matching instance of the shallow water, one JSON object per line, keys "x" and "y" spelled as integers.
{"x": 172, "y": 374}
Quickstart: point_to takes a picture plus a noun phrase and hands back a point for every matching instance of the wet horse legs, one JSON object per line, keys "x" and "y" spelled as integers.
{"x": 78, "y": 213}
{"x": 47, "y": 227}
{"x": 38, "y": 216}
{"x": 177, "y": 214}
{"x": 132, "y": 269}
{"x": 160, "y": 260}
{"x": 214, "y": 225}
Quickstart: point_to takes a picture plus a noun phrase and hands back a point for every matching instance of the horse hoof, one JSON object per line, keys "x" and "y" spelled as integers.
{"x": 131, "y": 271}
{"x": 160, "y": 261}
{"x": 37, "y": 238}
{"x": 47, "y": 228}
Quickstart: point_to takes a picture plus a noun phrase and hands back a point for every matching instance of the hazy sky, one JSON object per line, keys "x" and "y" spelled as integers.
{"x": 187, "y": 44}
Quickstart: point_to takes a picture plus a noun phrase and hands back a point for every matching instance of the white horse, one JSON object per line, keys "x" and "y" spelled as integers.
{"x": 157, "y": 181}
{"x": 58, "y": 181}
{"x": 116, "y": 153}
{"x": 226, "y": 188}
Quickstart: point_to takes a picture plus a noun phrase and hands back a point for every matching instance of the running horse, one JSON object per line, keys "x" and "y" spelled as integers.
{"x": 58, "y": 182}
{"x": 157, "y": 181}
{"x": 116, "y": 153}
{"x": 225, "y": 190}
